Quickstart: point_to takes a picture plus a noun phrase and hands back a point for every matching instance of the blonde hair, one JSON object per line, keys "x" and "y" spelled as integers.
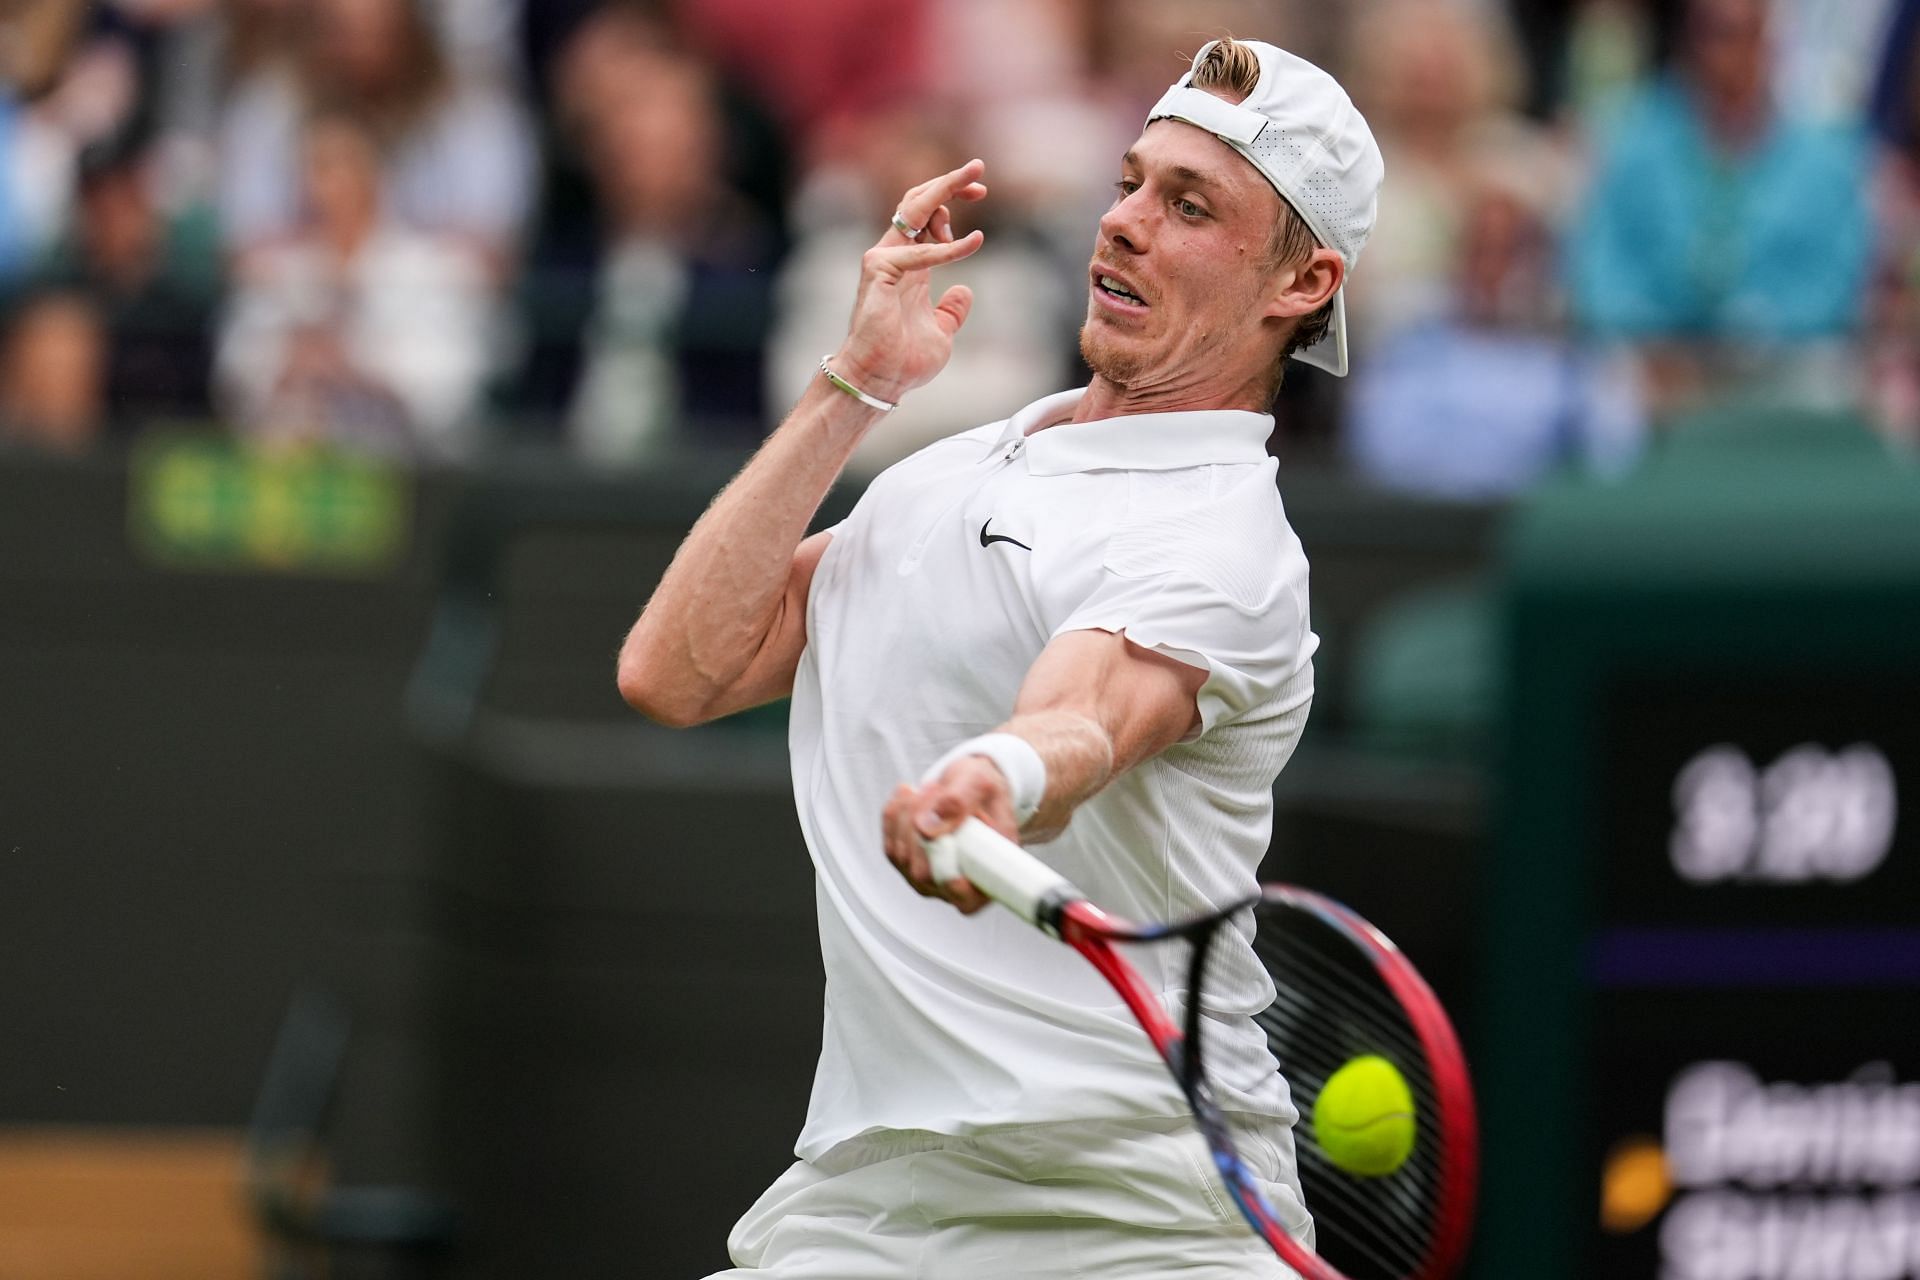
{"x": 1231, "y": 70}
{"x": 1228, "y": 65}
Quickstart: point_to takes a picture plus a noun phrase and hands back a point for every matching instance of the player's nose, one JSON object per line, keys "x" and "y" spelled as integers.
{"x": 1123, "y": 226}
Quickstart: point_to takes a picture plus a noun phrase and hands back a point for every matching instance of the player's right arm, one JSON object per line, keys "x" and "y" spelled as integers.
{"x": 726, "y": 626}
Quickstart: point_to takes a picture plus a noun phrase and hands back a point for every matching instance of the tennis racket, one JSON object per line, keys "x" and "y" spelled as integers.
{"x": 1342, "y": 990}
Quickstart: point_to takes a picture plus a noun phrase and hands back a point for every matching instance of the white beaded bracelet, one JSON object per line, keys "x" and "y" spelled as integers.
{"x": 1015, "y": 757}
{"x": 872, "y": 402}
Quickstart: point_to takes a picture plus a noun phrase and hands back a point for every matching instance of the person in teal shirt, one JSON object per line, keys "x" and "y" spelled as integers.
{"x": 1716, "y": 216}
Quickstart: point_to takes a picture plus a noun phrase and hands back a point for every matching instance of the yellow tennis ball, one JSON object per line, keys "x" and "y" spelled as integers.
{"x": 1363, "y": 1118}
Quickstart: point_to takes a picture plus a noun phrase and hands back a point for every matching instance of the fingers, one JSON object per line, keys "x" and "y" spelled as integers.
{"x": 964, "y": 896}
{"x": 918, "y": 206}
{"x": 909, "y": 818}
{"x": 903, "y": 844}
{"x": 939, "y": 811}
{"x": 954, "y": 307}
{"x": 903, "y": 849}
{"x": 970, "y": 787}
{"x": 981, "y": 791}
{"x": 896, "y": 261}
{"x": 940, "y": 227}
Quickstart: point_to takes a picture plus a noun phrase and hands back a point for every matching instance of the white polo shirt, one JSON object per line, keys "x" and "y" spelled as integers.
{"x": 933, "y": 599}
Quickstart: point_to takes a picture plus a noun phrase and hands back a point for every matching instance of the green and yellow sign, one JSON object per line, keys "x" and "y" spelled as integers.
{"x": 199, "y": 502}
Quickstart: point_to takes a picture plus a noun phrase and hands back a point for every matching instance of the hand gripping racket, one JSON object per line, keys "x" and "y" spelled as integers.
{"x": 1343, "y": 990}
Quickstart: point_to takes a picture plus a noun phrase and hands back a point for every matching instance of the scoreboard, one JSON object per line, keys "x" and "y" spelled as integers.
{"x": 1755, "y": 978}
{"x": 1701, "y": 1050}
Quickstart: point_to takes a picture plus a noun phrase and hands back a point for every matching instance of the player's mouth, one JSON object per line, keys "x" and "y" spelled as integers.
{"x": 1117, "y": 293}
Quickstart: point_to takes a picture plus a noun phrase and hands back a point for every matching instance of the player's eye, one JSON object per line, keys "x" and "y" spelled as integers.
{"x": 1188, "y": 209}
{"x": 1126, "y": 187}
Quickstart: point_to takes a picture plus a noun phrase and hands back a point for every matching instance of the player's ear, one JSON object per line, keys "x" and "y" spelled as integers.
{"x": 1303, "y": 288}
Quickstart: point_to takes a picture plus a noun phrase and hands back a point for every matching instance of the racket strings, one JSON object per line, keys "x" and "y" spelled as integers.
{"x": 1330, "y": 1006}
{"x": 1302, "y": 974}
{"x": 1410, "y": 1197}
{"x": 1289, "y": 1019}
{"x": 1389, "y": 1254}
{"x": 1296, "y": 1033}
{"x": 1315, "y": 999}
{"x": 1301, "y": 971}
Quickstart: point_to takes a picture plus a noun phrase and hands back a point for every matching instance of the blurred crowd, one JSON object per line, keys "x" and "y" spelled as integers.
{"x": 431, "y": 229}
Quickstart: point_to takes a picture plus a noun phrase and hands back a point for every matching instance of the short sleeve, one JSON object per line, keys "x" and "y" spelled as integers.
{"x": 1220, "y": 585}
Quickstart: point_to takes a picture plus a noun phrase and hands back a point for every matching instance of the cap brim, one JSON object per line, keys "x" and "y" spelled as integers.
{"x": 1330, "y": 353}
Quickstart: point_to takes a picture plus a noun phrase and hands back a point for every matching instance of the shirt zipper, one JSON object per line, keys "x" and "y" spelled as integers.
{"x": 916, "y": 552}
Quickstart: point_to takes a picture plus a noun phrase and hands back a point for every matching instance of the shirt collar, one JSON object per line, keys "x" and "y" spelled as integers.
{"x": 1135, "y": 442}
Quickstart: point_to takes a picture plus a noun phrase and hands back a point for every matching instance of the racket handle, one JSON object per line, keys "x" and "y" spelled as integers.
{"x": 1002, "y": 870}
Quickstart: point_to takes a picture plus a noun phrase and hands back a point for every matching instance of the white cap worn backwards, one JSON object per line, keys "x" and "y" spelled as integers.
{"x": 1304, "y": 135}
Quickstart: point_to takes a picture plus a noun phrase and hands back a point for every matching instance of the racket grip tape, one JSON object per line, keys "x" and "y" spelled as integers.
{"x": 1002, "y": 870}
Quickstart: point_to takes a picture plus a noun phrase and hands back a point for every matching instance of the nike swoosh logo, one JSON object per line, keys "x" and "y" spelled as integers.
{"x": 988, "y": 539}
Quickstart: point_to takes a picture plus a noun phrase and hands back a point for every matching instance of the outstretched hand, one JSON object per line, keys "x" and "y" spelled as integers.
{"x": 900, "y": 337}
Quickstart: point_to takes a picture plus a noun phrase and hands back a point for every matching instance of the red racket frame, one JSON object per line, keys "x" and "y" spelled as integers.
{"x": 1092, "y": 932}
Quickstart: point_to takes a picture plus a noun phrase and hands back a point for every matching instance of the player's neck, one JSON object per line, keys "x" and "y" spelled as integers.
{"x": 1106, "y": 399}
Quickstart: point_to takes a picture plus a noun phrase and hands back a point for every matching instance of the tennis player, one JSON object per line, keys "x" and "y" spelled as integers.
{"x": 1086, "y": 624}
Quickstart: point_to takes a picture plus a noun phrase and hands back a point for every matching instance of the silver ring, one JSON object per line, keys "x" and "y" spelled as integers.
{"x": 900, "y": 225}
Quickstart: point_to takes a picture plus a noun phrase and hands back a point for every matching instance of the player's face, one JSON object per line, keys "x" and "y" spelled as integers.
{"x": 1181, "y": 269}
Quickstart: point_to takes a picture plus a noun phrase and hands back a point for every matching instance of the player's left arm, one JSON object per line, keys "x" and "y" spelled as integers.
{"x": 1093, "y": 705}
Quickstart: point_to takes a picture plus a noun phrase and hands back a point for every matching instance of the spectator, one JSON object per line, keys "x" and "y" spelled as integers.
{"x": 59, "y": 92}
{"x": 577, "y": 49}
{"x": 682, "y": 284}
{"x": 457, "y": 155}
{"x": 1438, "y": 81}
{"x": 1013, "y": 349}
{"x": 1485, "y": 399}
{"x": 360, "y": 330}
{"x": 152, "y": 282}
{"x": 53, "y": 374}
{"x": 577, "y": 54}
{"x": 1718, "y": 221}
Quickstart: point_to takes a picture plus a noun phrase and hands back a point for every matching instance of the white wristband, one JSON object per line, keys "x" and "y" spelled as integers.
{"x": 1014, "y": 756}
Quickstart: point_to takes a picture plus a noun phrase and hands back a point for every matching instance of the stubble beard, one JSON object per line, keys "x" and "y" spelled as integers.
{"x": 1109, "y": 361}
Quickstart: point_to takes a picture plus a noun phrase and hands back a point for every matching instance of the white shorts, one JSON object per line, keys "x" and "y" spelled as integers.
{"x": 1105, "y": 1200}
